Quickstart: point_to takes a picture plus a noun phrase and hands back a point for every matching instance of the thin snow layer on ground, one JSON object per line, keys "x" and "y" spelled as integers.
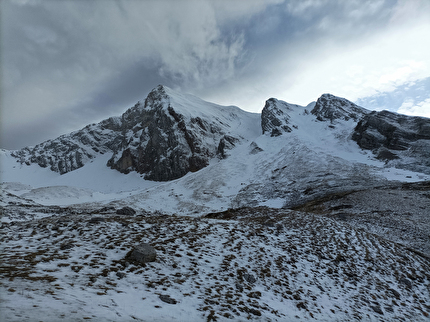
{"x": 398, "y": 212}
{"x": 257, "y": 264}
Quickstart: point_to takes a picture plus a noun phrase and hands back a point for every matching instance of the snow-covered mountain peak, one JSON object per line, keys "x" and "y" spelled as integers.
{"x": 331, "y": 108}
{"x": 275, "y": 116}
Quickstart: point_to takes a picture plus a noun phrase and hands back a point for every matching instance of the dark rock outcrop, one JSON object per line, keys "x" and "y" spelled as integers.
{"x": 126, "y": 211}
{"x": 275, "y": 118}
{"x": 390, "y": 130}
{"x": 164, "y": 144}
{"x": 396, "y": 138}
{"x": 330, "y": 108}
{"x": 71, "y": 151}
{"x": 227, "y": 142}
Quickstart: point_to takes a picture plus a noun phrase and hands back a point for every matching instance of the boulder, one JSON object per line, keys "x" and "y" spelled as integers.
{"x": 126, "y": 211}
{"x": 143, "y": 253}
{"x": 167, "y": 299}
{"x": 249, "y": 278}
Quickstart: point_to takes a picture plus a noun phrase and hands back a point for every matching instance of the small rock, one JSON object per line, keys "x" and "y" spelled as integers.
{"x": 321, "y": 288}
{"x": 254, "y": 311}
{"x": 377, "y": 309}
{"x": 126, "y": 211}
{"x": 167, "y": 299}
{"x": 249, "y": 278}
{"x": 389, "y": 309}
{"x": 339, "y": 258}
{"x": 239, "y": 287}
{"x": 120, "y": 275}
{"x": 96, "y": 220}
{"x": 67, "y": 246}
{"x": 395, "y": 293}
{"x": 255, "y": 295}
{"x": 143, "y": 253}
{"x": 406, "y": 282}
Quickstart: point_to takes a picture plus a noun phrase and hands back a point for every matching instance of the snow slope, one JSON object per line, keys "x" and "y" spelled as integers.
{"x": 254, "y": 264}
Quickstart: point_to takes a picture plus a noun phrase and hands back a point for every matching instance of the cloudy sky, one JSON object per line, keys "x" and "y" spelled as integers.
{"x": 68, "y": 63}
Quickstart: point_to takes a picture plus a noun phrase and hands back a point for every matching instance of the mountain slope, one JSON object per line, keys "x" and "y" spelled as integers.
{"x": 400, "y": 140}
{"x": 176, "y": 133}
{"x": 164, "y": 138}
{"x": 308, "y": 160}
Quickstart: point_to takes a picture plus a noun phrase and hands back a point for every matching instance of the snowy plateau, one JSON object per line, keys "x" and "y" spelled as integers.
{"x": 297, "y": 213}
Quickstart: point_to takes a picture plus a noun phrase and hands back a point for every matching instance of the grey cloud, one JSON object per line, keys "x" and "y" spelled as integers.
{"x": 64, "y": 53}
{"x": 86, "y": 60}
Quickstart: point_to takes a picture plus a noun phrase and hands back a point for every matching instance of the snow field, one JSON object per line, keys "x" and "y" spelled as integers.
{"x": 250, "y": 263}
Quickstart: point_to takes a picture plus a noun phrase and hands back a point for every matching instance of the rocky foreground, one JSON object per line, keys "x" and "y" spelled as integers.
{"x": 319, "y": 262}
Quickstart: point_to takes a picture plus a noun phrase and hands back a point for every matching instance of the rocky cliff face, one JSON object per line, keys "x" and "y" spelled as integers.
{"x": 401, "y": 140}
{"x": 164, "y": 144}
{"x": 330, "y": 108}
{"x": 71, "y": 151}
{"x": 275, "y": 118}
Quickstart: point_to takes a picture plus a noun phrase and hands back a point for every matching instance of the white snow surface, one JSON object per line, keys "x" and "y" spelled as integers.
{"x": 236, "y": 120}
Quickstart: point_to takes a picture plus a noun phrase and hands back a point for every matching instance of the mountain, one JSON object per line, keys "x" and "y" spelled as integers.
{"x": 287, "y": 155}
{"x": 171, "y": 134}
{"x": 316, "y": 212}
{"x": 164, "y": 138}
{"x": 403, "y": 141}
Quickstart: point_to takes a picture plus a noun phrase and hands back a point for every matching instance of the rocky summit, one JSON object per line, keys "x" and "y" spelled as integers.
{"x": 158, "y": 138}
{"x": 181, "y": 209}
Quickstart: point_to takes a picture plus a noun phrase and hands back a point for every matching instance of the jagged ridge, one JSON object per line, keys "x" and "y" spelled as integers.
{"x": 171, "y": 134}
{"x": 159, "y": 138}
